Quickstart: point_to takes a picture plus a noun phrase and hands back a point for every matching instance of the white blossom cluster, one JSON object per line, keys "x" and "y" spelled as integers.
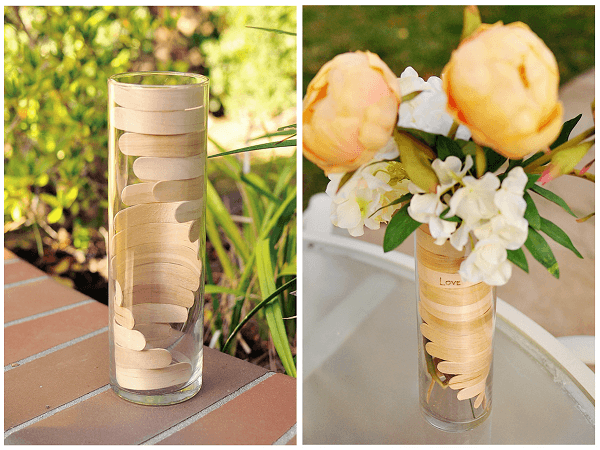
{"x": 492, "y": 211}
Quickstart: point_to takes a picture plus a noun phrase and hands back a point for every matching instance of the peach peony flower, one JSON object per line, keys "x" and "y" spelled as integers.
{"x": 349, "y": 111}
{"x": 502, "y": 83}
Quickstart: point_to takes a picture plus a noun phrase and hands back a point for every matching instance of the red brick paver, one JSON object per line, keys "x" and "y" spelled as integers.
{"x": 20, "y": 271}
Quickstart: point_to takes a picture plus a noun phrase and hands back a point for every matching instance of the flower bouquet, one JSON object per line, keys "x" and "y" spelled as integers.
{"x": 455, "y": 159}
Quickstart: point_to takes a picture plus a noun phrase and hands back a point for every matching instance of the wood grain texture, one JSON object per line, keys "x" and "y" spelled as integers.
{"x": 159, "y": 98}
{"x": 151, "y": 379}
{"x": 159, "y": 122}
{"x": 155, "y": 169}
{"x": 174, "y": 212}
{"x": 175, "y": 234}
{"x": 179, "y": 190}
{"x": 157, "y": 273}
{"x": 154, "y": 358}
{"x": 157, "y": 293}
{"x": 159, "y": 313}
{"x": 177, "y": 145}
{"x": 159, "y": 335}
{"x": 139, "y": 193}
{"x": 131, "y": 339}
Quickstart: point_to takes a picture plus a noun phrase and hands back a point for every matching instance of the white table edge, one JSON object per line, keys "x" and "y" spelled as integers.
{"x": 581, "y": 374}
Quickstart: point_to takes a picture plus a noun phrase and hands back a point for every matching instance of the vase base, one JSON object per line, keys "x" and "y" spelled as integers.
{"x": 451, "y": 426}
{"x": 159, "y": 399}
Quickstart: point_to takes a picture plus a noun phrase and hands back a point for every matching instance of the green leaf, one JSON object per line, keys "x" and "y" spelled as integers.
{"x": 449, "y": 219}
{"x": 540, "y": 250}
{"x": 549, "y": 195}
{"x": 284, "y": 132}
{"x": 286, "y": 143}
{"x": 404, "y": 198}
{"x": 55, "y": 215}
{"x": 272, "y": 30}
{"x": 400, "y": 227}
{"x": 494, "y": 160}
{"x": 427, "y": 138}
{"x": 213, "y": 289}
{"x": 259, "y": 189}
{"x": 531, "y": 180}
{"x": 517, "y": 257}
{"x": 471, "y": 21}
{"x": 565, "y": 131}
{"x": 531, "y": 213}
{"x": 447, "y": 147}
{"x": 557, "y": 234}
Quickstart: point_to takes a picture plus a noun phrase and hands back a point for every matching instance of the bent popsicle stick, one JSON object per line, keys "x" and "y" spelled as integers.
{"x": 454, "y": 340}
{"x": 159, "y": 335}
{"x": 178, "y": 190}
{"x": 472, "y": 391}
{"x": 131, "y": 339}
{"x": 161, "y": 98}
{"x": 480, "y": 305}
{"x": 159, "y": 313}
{"x": 456, "y": 383}
{"x": 176, "y": 234}
{"x": 151, "y": 379}
{"x": 159, "y": 122}
{"x": 175, "y": 212}
{"x": 153, "y": 168}
{"x": 466, "y": 316}
{"x": 479, "y": 399}
{"x": 456, "y": 354}
{"x": 133, "y": 258}
{"x": 118, "y": 294}
{"x": 438, "y": 262}
{"x": 485, "y": 322}
{"x": 124, "y": 317}
{"x": 441, "y": 279}
{"x": 174, "y": 146}
{"x": 158, "y": 273}
{"x": 135, "y": 194}
{"x": 455, "y": 297}
{"x": 157, "y": 293}
{"x": 154, "y": 358}
{"x": 451, "y": 367}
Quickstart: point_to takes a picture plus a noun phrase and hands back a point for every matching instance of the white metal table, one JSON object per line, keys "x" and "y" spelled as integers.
{"x": 360, "y": 360}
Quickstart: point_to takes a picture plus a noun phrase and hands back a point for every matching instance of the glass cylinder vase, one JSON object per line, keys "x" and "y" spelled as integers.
{"x": 156, "y": 242}
{"x": 456, "y": 322}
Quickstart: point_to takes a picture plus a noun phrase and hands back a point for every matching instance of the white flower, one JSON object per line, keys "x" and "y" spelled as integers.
{"x": 358, "y": 203}
{"x": 448, "y": 171}
{"x": 426, "y": 208}
{"x": 509, "y": 198}
{"x": 475, "y": 201}
{"x": 487, "y": 262}
{"x": 512, "y": 231}
{"x": 427, "y": 111}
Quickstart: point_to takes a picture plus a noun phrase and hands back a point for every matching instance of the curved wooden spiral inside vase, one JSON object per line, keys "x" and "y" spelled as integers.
{"x": 457, "y": 320}
{"x": 156, "y": 262}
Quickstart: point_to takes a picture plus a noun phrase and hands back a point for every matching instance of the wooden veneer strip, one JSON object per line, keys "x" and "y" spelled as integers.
{"x": 457, "y": 382}
{"x": 453, "y": 367}
{"x": 438, "y": 262}
{"x": 486, "y": 322}
{"x": 159, "y": 122}
{"x": 131, "y": 339}
{"x": 159, "y": 98}
{"x": 174, "y": 212}
{"x": 177, "y": 145}
{"x": 469, "y": 354}
{"x": 159, "y": 313}
{"x": 158, "y": 273}
{"x": 455, "y": 297}
{"x": 176, "y": 234}
{"x": 135, "y": 257}
{"x": 426, "y": 241}
{"x": 124, "y": 317}
{"x": 441, "y": 279}
{"x": 139, "y": 193}
{"x": 466, "y": 316}
{"x": 152, "y": 379}
{"x": 159, "y": 335}
{"x": 481, "y": 305}
{"x": 452, "y": 340}
{"x": 471, "y": 391}
{"x": 153, "y": 358}
{"x": 154, "y": 168}
{"x": 178, "y": 190}
{"x": 156, "y": 293}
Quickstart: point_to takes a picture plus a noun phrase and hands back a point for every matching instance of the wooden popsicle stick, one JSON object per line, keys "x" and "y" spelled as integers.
{"x": 156, "y": 293}
{"x": 159, "y": 335}
{"x": 154, "y": 358}
{"x": 153, "y": 168}
{"x": 175, "y": 212}
{"x": 151, "y": 379}
{"x": 467, "y": 316}
{"x": 456, "y": 383}
{"x": 178, "y": 190}
{"x": 455, "y": 297}
{"x": 457, "y": 327}
{"x": 457, "y": 354}
{"x": 134, "y": 257}
{"x": 175, "y": 234}
{"x": 118, "y": 294}
{"x": 159, "y": 122}
{"x": 427, "y": 242}
{"x": 452, "y": 367}
{"x": 441, "y": 279}
{"x": 454, "y": 340}
{"x": 131, "y": 339}
{"x": 173, "y": 146}
{"x": 158, "y": 273}
{"x": 195, "y": 231}
{"x": 159, "y": 313}
{"x": 160, "y": 98}
{"x": 479, "y": 399}
{"x": 471, "y": 391}
{"x": 124, "y": 317}
{"x": 438, "y": 262}
{"x": 135, "y": 194}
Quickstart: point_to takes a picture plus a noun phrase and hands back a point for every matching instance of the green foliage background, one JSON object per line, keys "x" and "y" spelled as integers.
{"x": 424, "y": 36}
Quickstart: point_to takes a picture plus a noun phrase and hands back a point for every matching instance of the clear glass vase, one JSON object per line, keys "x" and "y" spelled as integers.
{"x": 157, "y": 240}
{"x": 456, "y": 322}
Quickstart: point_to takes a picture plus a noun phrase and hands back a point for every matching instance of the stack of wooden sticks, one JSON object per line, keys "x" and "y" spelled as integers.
{"x": 457, "y": 319}
{"x": 155, "y": 250}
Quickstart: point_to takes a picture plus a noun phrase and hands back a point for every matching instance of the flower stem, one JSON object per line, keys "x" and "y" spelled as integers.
{"x": 570, "y": 143}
